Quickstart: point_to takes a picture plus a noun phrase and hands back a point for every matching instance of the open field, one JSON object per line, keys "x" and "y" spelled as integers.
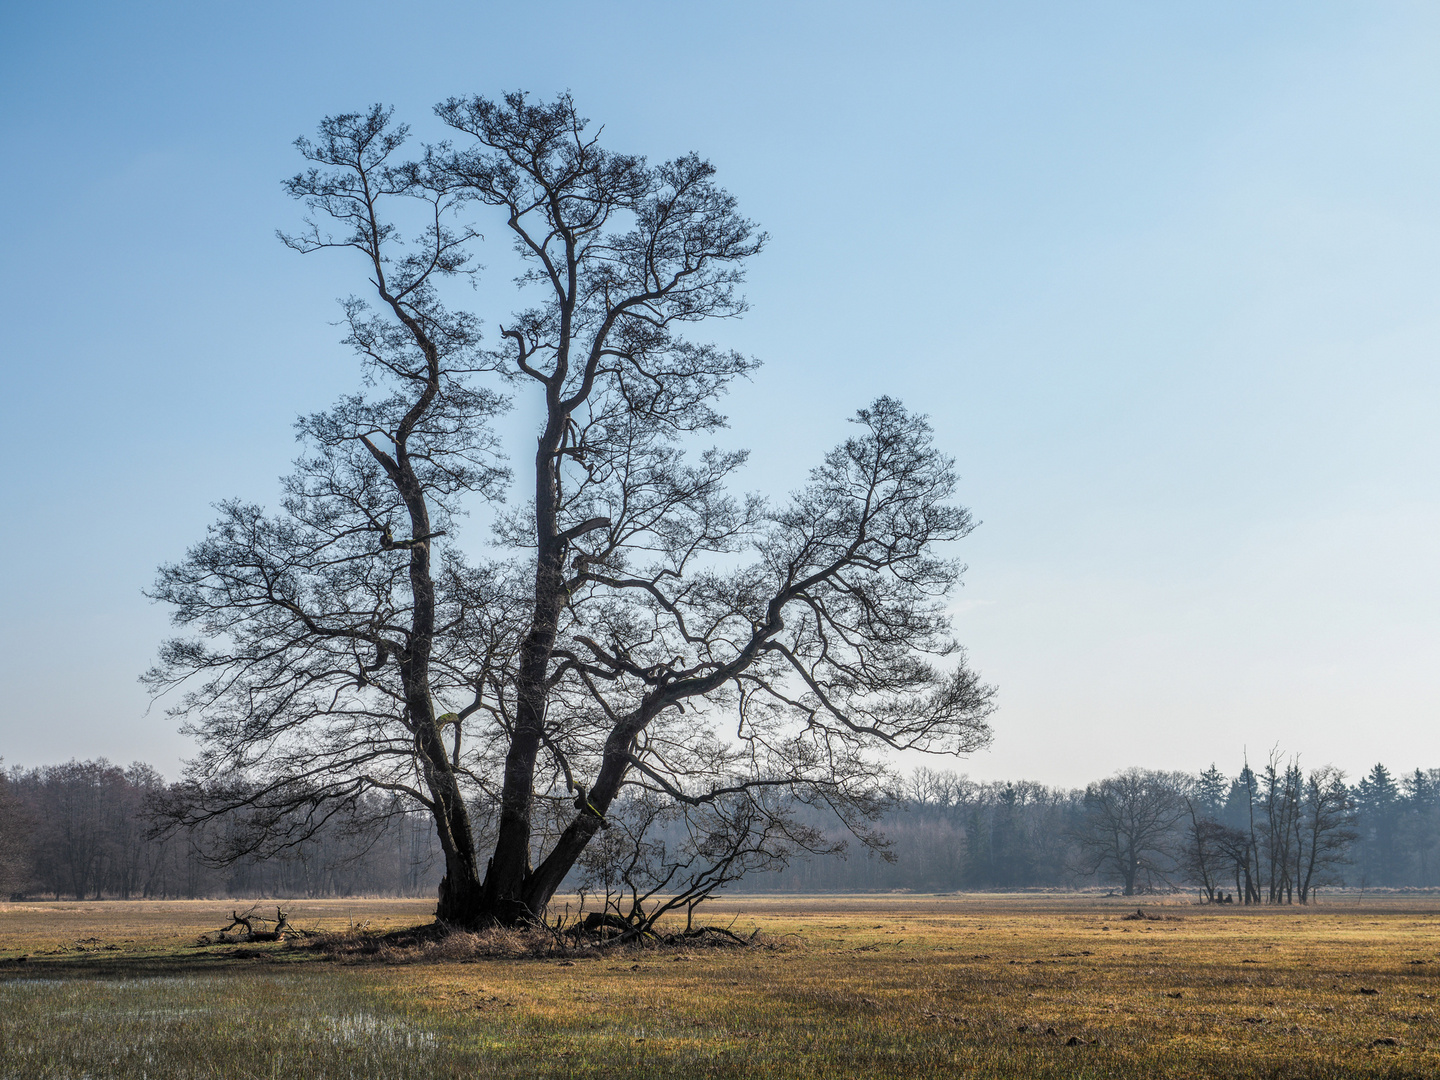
{"x": 842, "y": 986}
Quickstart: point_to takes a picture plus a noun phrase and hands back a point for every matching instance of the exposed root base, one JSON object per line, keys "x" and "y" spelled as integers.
{"x": 438, "y": 942}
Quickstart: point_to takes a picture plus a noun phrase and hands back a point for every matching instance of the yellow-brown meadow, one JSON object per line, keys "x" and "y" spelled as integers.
{"x": 902, "y": 986}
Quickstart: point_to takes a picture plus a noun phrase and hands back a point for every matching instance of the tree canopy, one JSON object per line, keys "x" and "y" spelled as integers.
{"x": 644, "y": 651}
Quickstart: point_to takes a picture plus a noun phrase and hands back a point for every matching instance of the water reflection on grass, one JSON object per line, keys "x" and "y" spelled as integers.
{"x": 241, "y": 1024}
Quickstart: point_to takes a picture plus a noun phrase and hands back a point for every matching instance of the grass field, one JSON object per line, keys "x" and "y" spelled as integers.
{"x": 1011, "y": 986}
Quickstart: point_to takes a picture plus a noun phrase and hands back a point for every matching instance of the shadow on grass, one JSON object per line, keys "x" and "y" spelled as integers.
{"x": 208, "y": 960}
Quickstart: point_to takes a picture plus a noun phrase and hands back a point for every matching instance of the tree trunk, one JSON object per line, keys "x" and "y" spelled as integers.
{"x": 503, "y": 898}
{"x": 460, "y": 895}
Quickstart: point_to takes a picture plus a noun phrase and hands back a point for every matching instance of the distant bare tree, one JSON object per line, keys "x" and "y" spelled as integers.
{"x": 1325, "y": 832}
{"x": 1203, "y": 850}
{"x": 1128, "y": 832}
{"x": 1282, "y": 790}
{"x": 73, "y": 841}
{"x": 15, "y": 832}
{"x": 1286, "y": 834}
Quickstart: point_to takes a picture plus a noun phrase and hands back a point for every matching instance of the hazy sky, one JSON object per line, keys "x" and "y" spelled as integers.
{"x": 1165, "y": 277}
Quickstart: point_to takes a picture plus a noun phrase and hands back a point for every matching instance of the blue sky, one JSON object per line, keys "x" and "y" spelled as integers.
{"x": 1164, "y": 276}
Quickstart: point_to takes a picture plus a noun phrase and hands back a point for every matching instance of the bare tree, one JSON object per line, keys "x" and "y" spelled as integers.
{"x": 1202, "y": 853}
{"x": 73, "y": 839}
{"x": 1128, "y": 833}
{"x": 657, "y": 856}
{"x": 1281, "y": 792}
{"x": 332, "y": 638}
{"x": 646, "y": 632}
{"x": 15, "y": 832}
{"x": 1325, "y": 831}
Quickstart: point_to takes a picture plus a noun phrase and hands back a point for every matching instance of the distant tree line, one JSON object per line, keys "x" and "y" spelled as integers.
{"x": 1270, "y": 834}
{"x": 90, "y": 829}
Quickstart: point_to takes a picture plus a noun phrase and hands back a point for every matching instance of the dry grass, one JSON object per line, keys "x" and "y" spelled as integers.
{"x": 158, "y": 928}
{"x": 844, "y": 986}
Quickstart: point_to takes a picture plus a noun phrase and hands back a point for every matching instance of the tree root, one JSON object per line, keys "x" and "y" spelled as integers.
{"x": 595, "y": 935}
{"x": 606, "y": 930}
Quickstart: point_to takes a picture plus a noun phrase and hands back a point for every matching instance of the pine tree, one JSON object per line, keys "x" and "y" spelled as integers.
{"x": 1377, "y": 798}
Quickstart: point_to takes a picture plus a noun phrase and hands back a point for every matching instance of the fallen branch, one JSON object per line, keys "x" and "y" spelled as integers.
{"x": 248, "y": 931}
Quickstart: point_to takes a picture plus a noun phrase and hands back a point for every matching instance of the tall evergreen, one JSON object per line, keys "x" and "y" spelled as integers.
{"x": 1211, "y": 790}
{"x": 1378, "y": 804}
